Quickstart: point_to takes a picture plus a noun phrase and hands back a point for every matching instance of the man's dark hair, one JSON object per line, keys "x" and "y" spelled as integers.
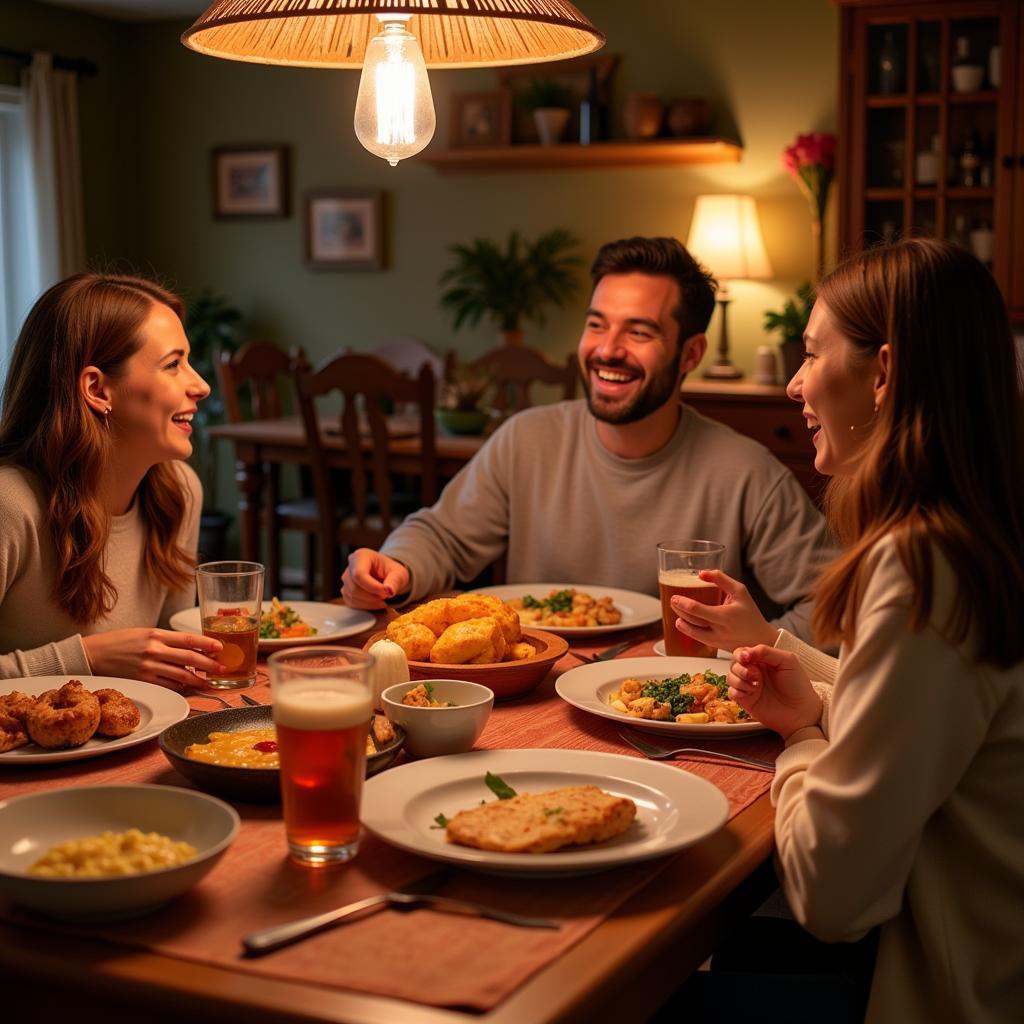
{"x": 667, "y": 257}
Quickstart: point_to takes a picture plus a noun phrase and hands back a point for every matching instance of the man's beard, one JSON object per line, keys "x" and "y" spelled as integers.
{"x": 658, "y": 390}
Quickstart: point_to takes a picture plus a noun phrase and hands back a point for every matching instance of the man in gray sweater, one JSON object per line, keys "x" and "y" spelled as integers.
{"x": 581, "y": 492}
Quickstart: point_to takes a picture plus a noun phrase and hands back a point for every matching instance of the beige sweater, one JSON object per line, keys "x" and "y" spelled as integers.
{"x": 565, "y": 509}
{"x": 910, "y": 815}
{"x": 36, "y": 636}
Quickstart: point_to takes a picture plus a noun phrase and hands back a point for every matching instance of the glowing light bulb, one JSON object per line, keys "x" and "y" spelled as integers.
{"x": 394, "y": 110}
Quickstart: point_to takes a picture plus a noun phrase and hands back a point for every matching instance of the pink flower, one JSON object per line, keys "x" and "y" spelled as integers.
{"x": 816, "y": 148}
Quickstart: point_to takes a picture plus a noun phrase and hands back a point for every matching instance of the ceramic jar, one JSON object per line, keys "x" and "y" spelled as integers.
{"x": 642, "y": 115}
{"x": 689, "y": 116}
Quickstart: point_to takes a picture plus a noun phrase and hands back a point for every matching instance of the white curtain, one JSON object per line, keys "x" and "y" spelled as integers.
{"x": 51, "y": 108}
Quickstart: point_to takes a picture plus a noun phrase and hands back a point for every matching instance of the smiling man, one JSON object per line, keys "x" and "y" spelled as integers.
{"x": 582, "y": 491}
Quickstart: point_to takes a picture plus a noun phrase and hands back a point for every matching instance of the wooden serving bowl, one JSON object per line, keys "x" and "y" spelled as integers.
{"x": 506, "y": 678}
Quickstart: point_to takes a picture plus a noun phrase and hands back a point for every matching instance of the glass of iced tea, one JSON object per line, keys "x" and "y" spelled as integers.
{"x": 322, "y": 708}
{"x": 229, "y": 606}
{"x": 679, "y": 562}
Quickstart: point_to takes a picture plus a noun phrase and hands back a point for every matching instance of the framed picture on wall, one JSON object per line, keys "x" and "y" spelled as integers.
{"x": 344, "y": 229}
{"x": 480, "y": 119}
{"x": 250, "y": 181}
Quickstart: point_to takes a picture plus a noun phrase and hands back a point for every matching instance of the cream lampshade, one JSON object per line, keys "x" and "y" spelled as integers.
{"x": 726, "y": 237}
{"x": 398, "y": 40}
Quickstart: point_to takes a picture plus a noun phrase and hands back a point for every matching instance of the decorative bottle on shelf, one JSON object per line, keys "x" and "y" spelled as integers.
{"x": 928, "y": 163}
{"x": 890, "y": 66}
{"x": 969, "y": 162}
{"x": 967, "y": 74}
{"x": 591, "y": 113}
{"x": 959, "y": 233}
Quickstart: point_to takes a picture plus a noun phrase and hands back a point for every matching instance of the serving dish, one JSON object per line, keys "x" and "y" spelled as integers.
{"x": 506, "y": 678}
{"x": 255, "y": 785}
{"x": 30, "y": 825}
{"x": 331, "y": 622}
{"x": 637, "y": 609}
{"x": 158, "y": 708}
{"x": 430, "y": 731}
{"x": 674, "y": 808}
{"x": 589, "y": 686}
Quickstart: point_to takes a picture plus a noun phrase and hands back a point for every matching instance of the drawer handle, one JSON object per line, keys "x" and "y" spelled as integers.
{"x": 783, "y": 433}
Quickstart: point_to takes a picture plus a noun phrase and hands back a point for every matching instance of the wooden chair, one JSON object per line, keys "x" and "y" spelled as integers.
{"x": 254, "y": 380}
{"x": 514, "y": 370}
{"x": 366, "y": 385}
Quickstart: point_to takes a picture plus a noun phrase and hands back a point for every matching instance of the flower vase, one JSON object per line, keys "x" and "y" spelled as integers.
{"x": 817, "y": 246}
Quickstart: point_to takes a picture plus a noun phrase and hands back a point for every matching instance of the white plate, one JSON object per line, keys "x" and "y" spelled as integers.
{"x": 158, "y": 706}
{"x": 637, "y": 609}
{"x": 674, "y": 808}
{"x": 589, "y": 686}
{"x": 331, "y": 622}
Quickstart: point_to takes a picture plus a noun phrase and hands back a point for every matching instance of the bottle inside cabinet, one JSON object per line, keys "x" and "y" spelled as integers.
{"x": 887, "y": 57}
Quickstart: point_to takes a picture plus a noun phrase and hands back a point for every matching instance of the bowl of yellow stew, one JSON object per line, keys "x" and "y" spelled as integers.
{"x": 105, "y": 853}
{"x": 233, "y": 752}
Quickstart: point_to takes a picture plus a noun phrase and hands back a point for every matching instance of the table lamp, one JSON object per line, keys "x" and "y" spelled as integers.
{"x": 726, "y": 238}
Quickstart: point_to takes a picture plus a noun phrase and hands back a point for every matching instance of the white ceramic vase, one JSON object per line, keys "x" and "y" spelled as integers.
{"x": 551, "y": 123}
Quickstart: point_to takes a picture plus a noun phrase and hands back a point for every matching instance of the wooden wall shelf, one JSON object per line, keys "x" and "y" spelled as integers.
{"x": 572, "y": 156}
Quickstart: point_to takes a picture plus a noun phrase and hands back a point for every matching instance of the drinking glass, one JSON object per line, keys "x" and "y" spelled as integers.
{"x": 229, "y": 606}
{"x": 679, "y": 562}
{"x": 322, "y": 706}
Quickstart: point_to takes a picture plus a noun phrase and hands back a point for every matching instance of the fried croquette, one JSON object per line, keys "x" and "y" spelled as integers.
{"x": 479, "y": 606}
{"x": 415, "y": 639}
{"x": 472, "y": 642}
{"x": 119, "y": 715}
{"x": 519, "y": 651}
{"x": 67, "y": 717}
{"x": 542, "y": 822}
{"x": 12, "y": 732}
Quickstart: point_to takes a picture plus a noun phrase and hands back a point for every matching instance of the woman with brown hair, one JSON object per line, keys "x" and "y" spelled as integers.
{"x": 99, "y": 515}
{"x": 898, "y": 799}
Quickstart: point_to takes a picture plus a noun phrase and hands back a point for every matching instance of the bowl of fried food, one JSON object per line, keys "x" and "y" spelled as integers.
{"x": 439, "y": 716}
{"x": 475, "y": 637}
{"x": 106, "y": 853}
{"x": 233, "y": 752}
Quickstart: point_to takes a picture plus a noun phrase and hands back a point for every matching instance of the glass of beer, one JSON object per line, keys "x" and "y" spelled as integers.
{"x": 229, "y": 606}
{"x": 679, "y": 562}
{"x": 323, "y": 701}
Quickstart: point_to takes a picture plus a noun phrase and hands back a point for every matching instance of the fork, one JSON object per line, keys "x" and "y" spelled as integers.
{"x": 606, "y": 655}
{"x": 251, "y": 701}
{"x": 657, "y": 754}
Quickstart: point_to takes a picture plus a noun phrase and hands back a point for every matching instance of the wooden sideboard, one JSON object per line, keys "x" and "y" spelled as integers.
{"x": 764, "y": 413}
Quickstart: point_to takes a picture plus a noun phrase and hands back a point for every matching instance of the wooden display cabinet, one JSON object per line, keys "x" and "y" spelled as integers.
{"x": 928, "y": 146}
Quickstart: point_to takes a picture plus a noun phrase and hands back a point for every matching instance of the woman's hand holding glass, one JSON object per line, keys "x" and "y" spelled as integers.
{"x": 161, "y": 656}
{"x": 772, "y": 686}
{"x": 728, "y": 625}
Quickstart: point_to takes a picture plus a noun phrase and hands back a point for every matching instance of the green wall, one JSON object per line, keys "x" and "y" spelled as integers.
{"x": 153, "y": 113}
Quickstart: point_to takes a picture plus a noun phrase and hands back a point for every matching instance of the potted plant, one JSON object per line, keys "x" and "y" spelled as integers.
{"x": 510, "y": 284}
{"x": 211, "y": 325}
{"x": 551, "y": 104}
{"x": 791, "y": 323}
{"x": 462, "y": 409}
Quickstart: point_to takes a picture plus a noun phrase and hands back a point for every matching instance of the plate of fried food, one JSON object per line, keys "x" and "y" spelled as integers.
{"x": 681, "y": 696}
{"x": 61, "y": 718}
{"x": 476, "y": 637}
{"x": 546, "y": 812}
{"x": 577, "y": 609}
{"x": 287, "y": 623}
{"x": 233, "y": 752}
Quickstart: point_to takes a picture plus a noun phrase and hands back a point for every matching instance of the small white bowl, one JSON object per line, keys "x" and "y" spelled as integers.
{"x": 968, "y": 77}
{"x": 433, "y": 731}
{"x": 30, "y": 825}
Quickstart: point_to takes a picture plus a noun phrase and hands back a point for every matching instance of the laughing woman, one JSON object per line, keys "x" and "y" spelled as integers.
{"x": 99, "y": 515}
{"x": 901, "y": 806}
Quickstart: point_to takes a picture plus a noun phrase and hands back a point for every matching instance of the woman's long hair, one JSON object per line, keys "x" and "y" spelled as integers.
{"x": 47, "y": 428}
{"x": 943, "y": 463}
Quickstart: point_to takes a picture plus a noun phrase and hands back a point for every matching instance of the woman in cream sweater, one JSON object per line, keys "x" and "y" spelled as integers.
{"x": 99, "y": 515}
{"x": 899, "y": 798}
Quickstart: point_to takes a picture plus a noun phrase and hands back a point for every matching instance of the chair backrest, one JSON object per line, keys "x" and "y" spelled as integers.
{"x": 265, "y": 371}
{"x": 513, "y": 370}
{"x": 366, "y": 385}
{"x": 408, "y": 354}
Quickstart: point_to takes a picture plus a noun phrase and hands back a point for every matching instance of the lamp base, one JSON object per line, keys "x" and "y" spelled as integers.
{"x": 722, "y": 371}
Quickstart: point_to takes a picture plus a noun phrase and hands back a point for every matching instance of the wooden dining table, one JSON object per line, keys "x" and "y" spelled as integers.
{"x": 621, "y": 970}
{"x": 262, "y": 443}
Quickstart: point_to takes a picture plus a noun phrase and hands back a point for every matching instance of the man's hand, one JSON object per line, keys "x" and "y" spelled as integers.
{"x": 162, "y": 656}
{"x": 372, "y": 578}
{"x": 735, "y": 622}
{"x": 774, "y": 688}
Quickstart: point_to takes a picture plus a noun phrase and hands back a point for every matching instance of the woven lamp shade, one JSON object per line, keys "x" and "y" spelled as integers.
{"x": 451, "y": 33}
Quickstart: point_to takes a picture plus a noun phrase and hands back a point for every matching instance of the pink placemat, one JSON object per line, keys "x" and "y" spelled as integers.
{"x": 421, "y": 955}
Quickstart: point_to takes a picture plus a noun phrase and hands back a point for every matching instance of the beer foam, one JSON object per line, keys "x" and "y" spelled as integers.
{"x": 314, "y": 706}
{"x": 682, "y": 578}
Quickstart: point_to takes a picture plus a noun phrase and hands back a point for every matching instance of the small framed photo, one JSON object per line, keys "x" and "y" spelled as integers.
{"x": 344, "y": 229}
{"x": 250, "y": 181}
{"x": 480, "y": 119}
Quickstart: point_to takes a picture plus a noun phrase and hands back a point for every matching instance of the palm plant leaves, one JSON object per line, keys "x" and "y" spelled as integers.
{"x": 510, "y": 283}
